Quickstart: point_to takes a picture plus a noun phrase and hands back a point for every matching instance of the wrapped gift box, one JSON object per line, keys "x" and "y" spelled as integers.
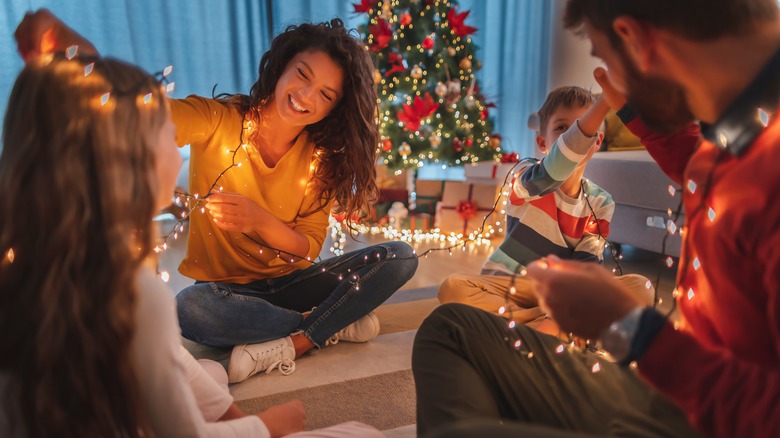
{"x": 419, "y": 221}
{"x": 428, "y": 192}
{"x": 484, "y": 195}
{"x": 491, "y": 172}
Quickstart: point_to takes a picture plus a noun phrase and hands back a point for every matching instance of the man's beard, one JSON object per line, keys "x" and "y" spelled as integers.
{"x": 659, "y": 102}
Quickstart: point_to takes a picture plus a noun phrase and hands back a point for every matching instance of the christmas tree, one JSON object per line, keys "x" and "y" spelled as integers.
{"x": 431, "y": 109}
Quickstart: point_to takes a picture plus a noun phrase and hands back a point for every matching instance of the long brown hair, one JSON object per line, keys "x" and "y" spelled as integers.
{"x": 76, "y": 174}
{"x": 347, "y": 138}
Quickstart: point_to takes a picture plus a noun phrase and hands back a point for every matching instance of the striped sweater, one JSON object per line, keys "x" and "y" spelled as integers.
{"x": 542, "y": 220}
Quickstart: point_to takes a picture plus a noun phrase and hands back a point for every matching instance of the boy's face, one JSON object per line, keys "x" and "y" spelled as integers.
{"x": 560, "y": 120}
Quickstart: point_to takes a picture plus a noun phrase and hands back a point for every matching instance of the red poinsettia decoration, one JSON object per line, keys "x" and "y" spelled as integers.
{"x": 363, "y": 6}
{"x": 466, "y": 209}
{"x": 382, "y": 33}
{"x": 396, "y": 64}
{"x": 422, "y": 108}
{"x": 456, "y": 23}
{"x": 485, "y": 113}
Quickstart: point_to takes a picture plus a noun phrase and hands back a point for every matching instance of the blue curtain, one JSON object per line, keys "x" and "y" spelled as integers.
{"x": 220, "y": 43}
{"x": 208, "y": 42}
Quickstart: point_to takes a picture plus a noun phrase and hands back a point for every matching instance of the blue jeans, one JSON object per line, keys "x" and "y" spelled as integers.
{"x": 223, "y": 315}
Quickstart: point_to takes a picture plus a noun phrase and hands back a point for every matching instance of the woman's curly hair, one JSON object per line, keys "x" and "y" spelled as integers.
{"x": 346, "y": 139}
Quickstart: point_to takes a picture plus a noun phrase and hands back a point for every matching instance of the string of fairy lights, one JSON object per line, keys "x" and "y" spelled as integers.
{"x": 194, "y": 202}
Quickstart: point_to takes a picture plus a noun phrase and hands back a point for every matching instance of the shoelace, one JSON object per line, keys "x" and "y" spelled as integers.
{"x": 286, "y": 366}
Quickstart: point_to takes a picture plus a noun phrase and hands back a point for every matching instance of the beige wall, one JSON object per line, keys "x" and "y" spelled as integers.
{"x": 570, "y": 60}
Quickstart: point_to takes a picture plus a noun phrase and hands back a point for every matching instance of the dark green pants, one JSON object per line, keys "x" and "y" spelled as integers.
{"x": 471, "y": 381}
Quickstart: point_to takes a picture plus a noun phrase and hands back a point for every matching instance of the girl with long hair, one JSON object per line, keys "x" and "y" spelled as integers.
{"x": 89, "y": 333}
{"x": 268, "y": 168}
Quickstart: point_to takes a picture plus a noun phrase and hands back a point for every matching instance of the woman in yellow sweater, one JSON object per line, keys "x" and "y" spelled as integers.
{"x": 267, "y": 168}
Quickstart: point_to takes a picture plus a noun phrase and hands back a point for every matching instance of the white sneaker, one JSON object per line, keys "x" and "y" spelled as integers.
{"x": 362, "y": 330}
{"x": 246, "y": 360}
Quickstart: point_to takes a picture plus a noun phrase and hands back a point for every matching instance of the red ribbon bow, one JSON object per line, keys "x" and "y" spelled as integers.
{"x": 510, "y": 157}
{"x": 466, "y": 209}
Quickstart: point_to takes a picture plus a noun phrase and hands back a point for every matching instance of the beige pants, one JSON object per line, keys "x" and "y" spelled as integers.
{"x": 491, "y": 292}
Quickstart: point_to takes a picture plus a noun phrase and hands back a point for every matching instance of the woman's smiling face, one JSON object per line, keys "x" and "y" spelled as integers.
{"x": 309, "y": 88}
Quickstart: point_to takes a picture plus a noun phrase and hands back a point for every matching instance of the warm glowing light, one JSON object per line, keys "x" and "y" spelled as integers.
{"x": 71, "y": 51}
{"x": 596, "y": 368}
{"x": 10, "y": 255}
{"x": 104, "y": 98}
{"x": 711, "y": 214}
{"x": 691, "y": 186}
{"x": 165, "y": 276}
{"x": 560, "y": 349}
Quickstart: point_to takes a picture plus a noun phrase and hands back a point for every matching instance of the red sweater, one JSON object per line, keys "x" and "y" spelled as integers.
{"x": 723, "y": 365}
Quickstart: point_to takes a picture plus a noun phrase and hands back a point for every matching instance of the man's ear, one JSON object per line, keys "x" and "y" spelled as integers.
{"x": 638, "y": 41}
{"x": 541, "y": 143}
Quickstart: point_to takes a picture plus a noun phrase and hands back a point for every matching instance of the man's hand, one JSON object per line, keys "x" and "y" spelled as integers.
{"x": 284, "y": 419}
{"x": 614, "y": 98}
{"x": 234, "y": 212}
{"x": 583, "y": 298}
{"x": 41, "y": 33}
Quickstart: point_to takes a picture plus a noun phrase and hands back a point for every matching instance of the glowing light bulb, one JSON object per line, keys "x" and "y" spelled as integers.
{"x": 696, "y": 264}
{"x": 559, "y": 349}
{"x": 691, "y": 186}
{"x": 71, "y": 51}
{"x": 165, "y": 276}
{"x": 596, "y": 368}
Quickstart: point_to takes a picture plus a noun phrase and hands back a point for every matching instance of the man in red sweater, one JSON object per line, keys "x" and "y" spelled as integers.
{"x": 716, "y": 61}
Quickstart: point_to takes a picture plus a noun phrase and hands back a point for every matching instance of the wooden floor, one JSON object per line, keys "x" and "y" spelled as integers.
{"x": 437, "y": 265}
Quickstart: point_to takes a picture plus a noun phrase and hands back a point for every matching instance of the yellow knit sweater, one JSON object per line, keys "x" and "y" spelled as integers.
{"x": 213, "y": 130}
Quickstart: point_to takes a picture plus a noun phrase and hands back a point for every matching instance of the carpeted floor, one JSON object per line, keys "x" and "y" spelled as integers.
{"x": 385, "y": 401}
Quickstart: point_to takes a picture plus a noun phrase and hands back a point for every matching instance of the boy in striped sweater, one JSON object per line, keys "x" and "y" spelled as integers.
{"x": 551, "y": 210}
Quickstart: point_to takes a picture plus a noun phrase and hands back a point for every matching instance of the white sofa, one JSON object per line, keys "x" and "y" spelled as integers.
{"x": 641, "y": 194}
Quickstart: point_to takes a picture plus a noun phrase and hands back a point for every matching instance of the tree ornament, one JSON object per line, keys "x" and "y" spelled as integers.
{"x": 427, "y": 43}
{"x": 457, "y": 144}
{"x": 495, "y": 141}
{"x": 387, "y": 12}
{"x": 453, "y": 87}
{"x": 406, "y": 19}
{"x": 469, "y": 142}
{"x": 377, "y": 76}
{"x": 387, "y": 145}
{"x": 404, "y": 149}
{"x": 465, "y": 64}
{"x": 435, "y": 140}
{"x": 457, "y": 24}
{"x": 441, "y": 89}
{"x": 382, "y": 34}
{"x": 451, "y": 51}
{"x": 470, "y": 101}
{"x": 417, "y": 72}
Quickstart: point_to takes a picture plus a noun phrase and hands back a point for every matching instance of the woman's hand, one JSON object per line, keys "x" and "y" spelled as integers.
{"x": 234, "y": 212}
{"x": 583, "y": 298}
{"x": 41, "y": 33}
{"x": 284, "y": 419}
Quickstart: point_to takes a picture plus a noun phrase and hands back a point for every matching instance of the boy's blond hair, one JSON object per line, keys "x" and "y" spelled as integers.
{"x": 568, "y": 97}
